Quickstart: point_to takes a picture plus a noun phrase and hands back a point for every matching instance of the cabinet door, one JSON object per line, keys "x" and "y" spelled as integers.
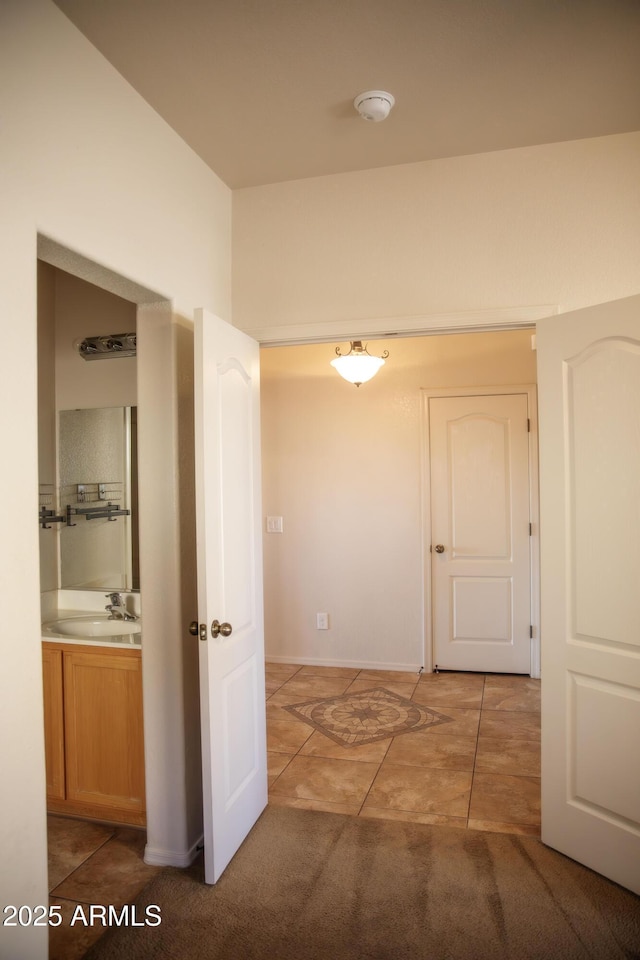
{"x": 53, "y": 722}
{"x": 103, "y": 730}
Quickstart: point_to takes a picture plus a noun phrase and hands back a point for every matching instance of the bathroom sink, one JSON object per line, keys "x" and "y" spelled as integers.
{"x": 93, "y": 627}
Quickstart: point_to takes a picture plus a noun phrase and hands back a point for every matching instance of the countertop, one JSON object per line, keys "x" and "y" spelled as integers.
{"x": 114, "y": 640}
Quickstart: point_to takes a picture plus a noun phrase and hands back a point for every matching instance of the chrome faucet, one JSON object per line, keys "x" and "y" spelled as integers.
{"x": 116, "y": 608}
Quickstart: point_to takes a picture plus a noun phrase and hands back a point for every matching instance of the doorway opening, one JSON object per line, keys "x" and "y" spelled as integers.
{"x": 169, "y": 665}
{"x": 88, "y": 556}
{"x": 481, "y": 529}
{"x": 344, "y": 468}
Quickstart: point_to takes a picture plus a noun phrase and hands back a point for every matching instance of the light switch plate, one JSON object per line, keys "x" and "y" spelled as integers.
{"x": 274, "y": 524}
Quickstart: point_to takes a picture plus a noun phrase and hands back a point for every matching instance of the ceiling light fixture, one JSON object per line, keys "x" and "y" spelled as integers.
{"x": 358, "y": 365}
{"x": 374, "y": 105}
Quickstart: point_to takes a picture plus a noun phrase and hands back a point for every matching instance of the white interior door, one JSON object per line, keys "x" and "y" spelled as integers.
{"x": 480, "y": 546}
{"x": 589, "y": 405}
{"x": 232, "y": 700}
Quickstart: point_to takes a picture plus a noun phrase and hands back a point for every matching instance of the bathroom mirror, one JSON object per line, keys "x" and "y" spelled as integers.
{"x": 98, "y": 484}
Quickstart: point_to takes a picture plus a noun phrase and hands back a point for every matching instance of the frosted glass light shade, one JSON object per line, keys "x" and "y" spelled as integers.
{"x": 358, "y": 365}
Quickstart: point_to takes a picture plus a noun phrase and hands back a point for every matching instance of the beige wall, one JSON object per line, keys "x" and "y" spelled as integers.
{"x": 342, "y": 466}
{"x": 84, "y": 310}
{"x": 70, "y": 309}
{"x": 553, "y": 224}
{"x": 86, "y": 163}
{"x": 47, "y": 422}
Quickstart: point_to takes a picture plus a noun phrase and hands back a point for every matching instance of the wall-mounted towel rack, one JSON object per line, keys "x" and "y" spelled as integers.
{"x": 47, "y": 517}
{"x": 103, "y": 511}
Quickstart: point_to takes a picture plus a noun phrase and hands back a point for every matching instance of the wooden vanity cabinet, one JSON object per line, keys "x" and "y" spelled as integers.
{"x": 100, "y": 689}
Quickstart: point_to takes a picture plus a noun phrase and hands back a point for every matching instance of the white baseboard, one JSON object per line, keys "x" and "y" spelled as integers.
{"x": 354, "y": 664}
{"x": 157, "y": 857}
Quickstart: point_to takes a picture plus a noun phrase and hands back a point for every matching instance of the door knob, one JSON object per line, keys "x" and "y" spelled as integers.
{"x": 439, "y": 548}
{"x": 218, "y": 629}
{"x": 198, "y": 629}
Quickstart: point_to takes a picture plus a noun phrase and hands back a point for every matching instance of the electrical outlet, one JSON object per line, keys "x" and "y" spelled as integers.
{"x": 322, "y": 621}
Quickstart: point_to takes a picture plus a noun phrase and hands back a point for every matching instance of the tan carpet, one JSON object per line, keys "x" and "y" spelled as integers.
{"x": 314, "y": 886}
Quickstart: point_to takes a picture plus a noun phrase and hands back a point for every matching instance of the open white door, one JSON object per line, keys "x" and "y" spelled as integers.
{"x": 589, "y": 407}
{"x": 228, "y": 504}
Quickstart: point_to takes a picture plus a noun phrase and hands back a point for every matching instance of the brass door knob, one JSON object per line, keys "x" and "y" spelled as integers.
{"x": 218, "y": 629}
{"x": 439, "y": 548}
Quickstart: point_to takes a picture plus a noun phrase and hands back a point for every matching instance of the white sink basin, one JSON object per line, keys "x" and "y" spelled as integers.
{"x": 93, "y": 627}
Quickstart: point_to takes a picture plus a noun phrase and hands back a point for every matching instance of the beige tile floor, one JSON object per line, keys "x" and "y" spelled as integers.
{"x": 90, "y": 863}
{"x": 479, "y": 771}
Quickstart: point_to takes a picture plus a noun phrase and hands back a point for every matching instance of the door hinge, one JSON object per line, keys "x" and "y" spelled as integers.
{"x": 531, "y": 631}
{"x": 528, "y": 425}
{"x": 530, "y": 529}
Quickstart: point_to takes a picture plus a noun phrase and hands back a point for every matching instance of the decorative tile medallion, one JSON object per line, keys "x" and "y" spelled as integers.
{"x": 356, "y": 718}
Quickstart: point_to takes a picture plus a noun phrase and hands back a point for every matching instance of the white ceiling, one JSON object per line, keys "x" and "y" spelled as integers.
{"x": 263, "y": 90}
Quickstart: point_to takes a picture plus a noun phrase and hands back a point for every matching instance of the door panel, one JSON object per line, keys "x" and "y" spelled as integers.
{"x": 104, "y": 742}
{"x": 603, "y": 445}
{"x": 589, "y": 378}
{"x": 478, "y": 474}
{"x": 482, "y": 608}
{"x": 232, "y": 700}
{"x": 235, "y": 451}
{"x": 479, "y": 456}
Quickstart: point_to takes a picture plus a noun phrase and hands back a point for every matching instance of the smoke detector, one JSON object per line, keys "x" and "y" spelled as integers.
{"x": 374, "y": 105}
